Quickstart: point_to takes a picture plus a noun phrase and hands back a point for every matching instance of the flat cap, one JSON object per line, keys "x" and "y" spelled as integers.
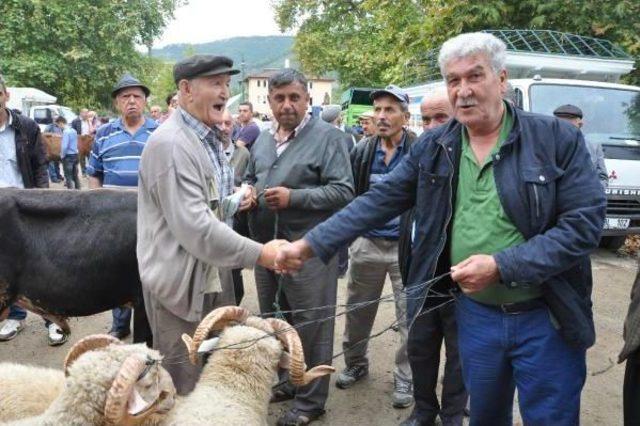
{"x": 568, "y": 111}
{"x": 126, "y": 81}
{"x": 366, "y": 114}
{"x": 329, "y": 114}
{"x": 393, "y": 91}
{"x": 202, "y": 65}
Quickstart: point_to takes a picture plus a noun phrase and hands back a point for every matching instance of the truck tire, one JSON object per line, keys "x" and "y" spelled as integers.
{"x": 613, "y": 243}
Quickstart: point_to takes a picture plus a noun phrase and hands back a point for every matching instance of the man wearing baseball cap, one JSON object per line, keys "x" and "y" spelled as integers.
{"x": 184, "y": 234}
{"x": 115, "y": 155}
{"x": 375, "y": 254}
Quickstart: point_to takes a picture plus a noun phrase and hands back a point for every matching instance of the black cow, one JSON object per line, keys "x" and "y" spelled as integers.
{"x": 70, "y": 253}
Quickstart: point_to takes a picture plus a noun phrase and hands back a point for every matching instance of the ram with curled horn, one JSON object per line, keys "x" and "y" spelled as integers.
{"x": 236, "y": 382}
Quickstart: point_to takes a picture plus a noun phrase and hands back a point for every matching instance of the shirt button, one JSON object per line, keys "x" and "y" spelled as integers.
{"x": 450, "y": 149}
{"x": 542, "y": 178}
{"x": 275, "y": 166}
{"x": 497, "y": 157}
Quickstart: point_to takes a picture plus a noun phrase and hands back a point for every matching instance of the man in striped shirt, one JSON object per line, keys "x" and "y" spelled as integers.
{"x": 115, "y": 157}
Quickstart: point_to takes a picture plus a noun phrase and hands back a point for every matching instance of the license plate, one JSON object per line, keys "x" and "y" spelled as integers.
{"x": 616, "y": 223}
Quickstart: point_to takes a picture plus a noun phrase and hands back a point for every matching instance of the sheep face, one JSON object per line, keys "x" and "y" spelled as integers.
{"x": 261, "y": 351}
{"x": 147, "y": 388}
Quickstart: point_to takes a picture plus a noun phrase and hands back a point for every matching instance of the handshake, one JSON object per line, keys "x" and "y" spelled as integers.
{"x": 285, "y": 257}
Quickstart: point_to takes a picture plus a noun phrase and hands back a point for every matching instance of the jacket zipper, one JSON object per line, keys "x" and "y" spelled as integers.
{"x": 446, "y": 225}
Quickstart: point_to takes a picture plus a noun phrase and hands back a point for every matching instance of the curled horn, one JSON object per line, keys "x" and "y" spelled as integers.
{"x": 89, "y": 343}
{"x": 116, "y": 409}
{"x": 216, "y": 320}
{"x": 291, "y": 341}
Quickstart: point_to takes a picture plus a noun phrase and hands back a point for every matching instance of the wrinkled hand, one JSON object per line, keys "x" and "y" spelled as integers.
{"x": 291, "y": 256}
{"x": 250, "y": 199}
{"x": 269, "y": 252}
{"x": 277, "y": 198}
{"x": 475, "y": 273}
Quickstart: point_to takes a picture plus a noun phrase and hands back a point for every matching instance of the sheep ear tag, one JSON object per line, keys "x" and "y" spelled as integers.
{"x": 285, "y": 360}
{"x": 208, "y": 345}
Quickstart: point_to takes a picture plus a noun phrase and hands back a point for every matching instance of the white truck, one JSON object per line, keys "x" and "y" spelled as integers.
{"x": 38, "y": 105}
{"x": 611, "y": 116}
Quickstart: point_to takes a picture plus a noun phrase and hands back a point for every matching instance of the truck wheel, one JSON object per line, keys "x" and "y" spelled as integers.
{"x": 613, "y": 243}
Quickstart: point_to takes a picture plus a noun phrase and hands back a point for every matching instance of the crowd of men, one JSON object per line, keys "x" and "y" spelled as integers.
{"x": 484, "y": 200}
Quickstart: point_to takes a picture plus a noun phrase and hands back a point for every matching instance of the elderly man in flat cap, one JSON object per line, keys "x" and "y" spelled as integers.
{"x": 573, "y": 115}
{"x": 115, "y": 156}
{"x": 184, "y": 234}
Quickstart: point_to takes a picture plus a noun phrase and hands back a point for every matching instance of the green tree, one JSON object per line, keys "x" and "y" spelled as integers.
{"x": 371, "y": 42}
{"x": 77, "y": 49}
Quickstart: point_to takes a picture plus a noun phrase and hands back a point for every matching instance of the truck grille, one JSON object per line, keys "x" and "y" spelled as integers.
{"x": 623, "y": 207}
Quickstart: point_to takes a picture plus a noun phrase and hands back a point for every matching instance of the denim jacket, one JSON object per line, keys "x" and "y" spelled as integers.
{"x": 548, "y": 188}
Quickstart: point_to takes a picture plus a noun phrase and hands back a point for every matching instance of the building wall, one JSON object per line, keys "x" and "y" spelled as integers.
{"x": 257, "y": 92}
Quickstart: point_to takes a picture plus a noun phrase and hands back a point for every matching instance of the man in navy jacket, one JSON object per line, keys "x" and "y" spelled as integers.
{"x": 510, "y": 204}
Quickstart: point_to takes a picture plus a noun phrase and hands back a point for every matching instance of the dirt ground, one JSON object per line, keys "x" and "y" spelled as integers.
{"x": 369, "y": 403}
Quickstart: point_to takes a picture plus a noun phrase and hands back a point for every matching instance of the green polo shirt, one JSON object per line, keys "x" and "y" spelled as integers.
{"x": 480, "y": 225}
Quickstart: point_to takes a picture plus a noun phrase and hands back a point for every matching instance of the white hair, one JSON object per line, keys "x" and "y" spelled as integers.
{"x": 468, "y": 44}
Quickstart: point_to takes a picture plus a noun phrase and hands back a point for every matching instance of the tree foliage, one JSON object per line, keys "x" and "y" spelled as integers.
{"x": 370, "y": 42}
{"x": 77, "y": 49}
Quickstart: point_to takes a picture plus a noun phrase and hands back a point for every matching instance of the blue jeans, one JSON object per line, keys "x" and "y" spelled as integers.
{"x": 500, "y": 352}
{"x": 19, "y": 314}
{"x": 121, "y": 319}
{"x": 54, "y": 171}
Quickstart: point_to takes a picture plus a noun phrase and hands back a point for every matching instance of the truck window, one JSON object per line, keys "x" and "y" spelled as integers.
{"x": 611, "y": 116}
{"x": 42, "y": 116}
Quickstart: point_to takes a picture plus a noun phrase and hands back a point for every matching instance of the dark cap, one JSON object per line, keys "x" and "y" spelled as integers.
{"x": 201, "y": 65}
{"x": 568, "y": 111}
{"x": 126, "y": 81}
{"x": 391, "y": 90}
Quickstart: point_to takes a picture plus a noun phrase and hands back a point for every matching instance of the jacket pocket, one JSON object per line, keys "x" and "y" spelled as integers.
{"x": 540, "y": 185}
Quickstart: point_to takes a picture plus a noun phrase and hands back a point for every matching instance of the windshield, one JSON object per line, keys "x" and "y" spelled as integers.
{"x": 610, "y": 116}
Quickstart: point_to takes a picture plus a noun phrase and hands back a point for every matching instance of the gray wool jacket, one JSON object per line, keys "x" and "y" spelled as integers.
{"x": 315, "y": 167}
{"x": 181, "y": 239}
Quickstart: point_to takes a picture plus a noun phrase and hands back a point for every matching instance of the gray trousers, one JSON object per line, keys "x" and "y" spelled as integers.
{"x": 168, "y": 328}
{"x": 313, "y": 286}
{"x": 371, "y": 259}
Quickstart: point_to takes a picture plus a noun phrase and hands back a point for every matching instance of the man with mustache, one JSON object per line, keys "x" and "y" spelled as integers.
{"x": 375, "y": 255}
{"x": 115, "y": 156}
{"x": 499, "y": 219}
{"x": 301, "y": 173}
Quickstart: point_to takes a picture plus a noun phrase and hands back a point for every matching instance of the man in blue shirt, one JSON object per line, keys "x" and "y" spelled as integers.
{"x": 375, "y": 254}
{"x": 69, "y": 153}
{"x": 115, "y": 157}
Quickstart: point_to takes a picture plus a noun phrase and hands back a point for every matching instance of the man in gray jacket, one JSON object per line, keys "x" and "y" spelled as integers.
{"x": 301, "y": 173}
{"x": 183, "y": 237}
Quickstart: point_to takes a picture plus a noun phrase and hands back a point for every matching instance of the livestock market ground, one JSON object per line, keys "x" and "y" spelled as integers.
{"x": 368, "y": 403}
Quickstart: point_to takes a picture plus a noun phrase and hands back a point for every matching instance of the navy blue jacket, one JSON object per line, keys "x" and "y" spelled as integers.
{"x": 548, "y": 188}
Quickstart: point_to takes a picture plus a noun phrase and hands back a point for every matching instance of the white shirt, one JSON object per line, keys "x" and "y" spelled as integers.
{"x": 10, "y": 175}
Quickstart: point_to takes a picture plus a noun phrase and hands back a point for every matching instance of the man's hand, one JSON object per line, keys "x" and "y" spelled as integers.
{"x": 475, "y": 273}
{"x": 277, "y": 198}
{"x": 291, "y": 256}
{"x": 250, "y": 199}
{"x": 269, "y": 252}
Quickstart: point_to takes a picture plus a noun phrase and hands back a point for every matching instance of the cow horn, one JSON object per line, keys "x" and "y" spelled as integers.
{"x": 215, "y": 320}
{"x": 89, "y": 343}
{"x": 291, "y": 341}
{"x": 122, "y": 393}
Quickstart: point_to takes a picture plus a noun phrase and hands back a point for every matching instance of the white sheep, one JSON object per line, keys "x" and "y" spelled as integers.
{"x": 236, "y": 382}
{"x": 109, "y": 384}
